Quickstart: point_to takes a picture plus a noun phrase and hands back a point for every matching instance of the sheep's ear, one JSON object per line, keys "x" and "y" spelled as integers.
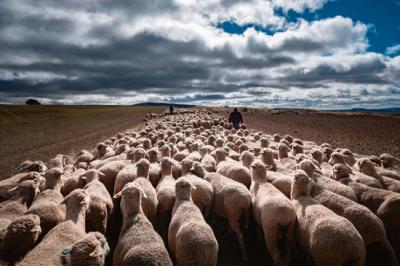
{"x": 143, "y": 194}
{"x": 118, "y": 195}
{"x": 11, "y": 190}
{"x": 36, "y": 229}
{"x": 101, "y": 174}
{"x": 85, "y": 201}
{"x": 98, "y": 251}
{"x": 193, "y": 187}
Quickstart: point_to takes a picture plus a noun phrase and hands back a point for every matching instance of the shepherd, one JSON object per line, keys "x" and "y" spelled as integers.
{"x": 171, "y": 110}
{"x": 235, "y": 118}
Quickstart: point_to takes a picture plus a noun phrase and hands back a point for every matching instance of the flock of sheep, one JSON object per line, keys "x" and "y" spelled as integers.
{"x": 154, "y": 193}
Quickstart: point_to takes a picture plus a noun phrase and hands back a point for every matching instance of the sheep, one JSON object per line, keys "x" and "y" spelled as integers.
{"x": 154, "y": 170}
{"x": 330, "y": 239}
{"x": 246, "y": 158}
{"x": 11, "y": 182}
{"x": 209, "y": 162}
{"x": 84, "y": 156}
{"x": 232, "y": 169}
{"x": 385, "y": 204}
{"x": 267, "y": 157}
{"x": 63, "y": 235}
{"x": 17, "y": 205}
{"x": 90, "y": 250}
{"x": 150, "y": 202}
{"x": 165, "y": 196}
{"x": 204, "y": 194}
{"x": 20, "y": 237}
{"x": 389, "y": 161}
{"x": 286, "y": 162}
{"x": 35, "y": 166}
{"x": 365, "y": 221}
{"x": 110, "y": 172}
{"x": 101, "y": 203}
{"x": 138, "y": 243}
{"x": 314, "y": 173}
{"x": 47, "y": 204}
{"x": 190, "y": 239}
{"x": 367, "y": 167}
{"x": 71, "y": 181}
{"x": 274, "y": 213}
{"x": 232, "y": 200}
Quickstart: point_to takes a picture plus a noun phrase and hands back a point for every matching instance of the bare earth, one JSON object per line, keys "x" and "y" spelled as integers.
{"x": 368, "y": 134}
{"x": 41, "y": 132}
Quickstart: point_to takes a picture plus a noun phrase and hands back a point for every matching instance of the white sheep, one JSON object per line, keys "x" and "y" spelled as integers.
{"x": 90, "y": 250}
{"x": 63, "y": 235}
{"x": 138, "y": 243}
{"x": 190, "y": 238}
{"x": 150, "y": 202}
{"x": 101, "y": 203}
{"x": 232, "y": 169}
{"x": 20, "y": 238}
{"x": 232, "y": 200}
{"x": 273, "y": 211}
{"x": 330, "y": 239}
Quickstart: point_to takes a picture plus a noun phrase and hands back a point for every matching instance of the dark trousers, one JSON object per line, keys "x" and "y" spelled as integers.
{"x": 236, "y": 125}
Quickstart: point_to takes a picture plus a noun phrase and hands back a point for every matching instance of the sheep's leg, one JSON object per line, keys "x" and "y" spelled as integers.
{"x": 271, "y": 241}
{"x": 234, "y": 224}
{"x": 289, "y": 245}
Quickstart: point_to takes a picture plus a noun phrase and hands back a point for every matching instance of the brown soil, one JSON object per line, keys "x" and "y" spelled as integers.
{"x": 41, "y": 132}
{"x": 368, "y": 134}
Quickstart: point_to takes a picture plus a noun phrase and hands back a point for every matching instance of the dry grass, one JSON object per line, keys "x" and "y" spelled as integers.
{"x": 41, "y": 132}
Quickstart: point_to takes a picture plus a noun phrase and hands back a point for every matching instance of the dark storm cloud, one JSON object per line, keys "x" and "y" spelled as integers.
{"x": 57, "y": 49}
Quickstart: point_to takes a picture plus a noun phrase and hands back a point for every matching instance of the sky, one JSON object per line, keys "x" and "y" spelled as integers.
{"x": 321, "y": 54}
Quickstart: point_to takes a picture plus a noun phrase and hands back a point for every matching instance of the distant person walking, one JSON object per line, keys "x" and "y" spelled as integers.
{"x": 235, "y": 118}
{"x": 171, "y": 110}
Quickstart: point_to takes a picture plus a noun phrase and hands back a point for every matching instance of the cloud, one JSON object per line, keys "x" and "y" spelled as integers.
{"x": 122, "y": 52}
{"x": 393, "y": 49}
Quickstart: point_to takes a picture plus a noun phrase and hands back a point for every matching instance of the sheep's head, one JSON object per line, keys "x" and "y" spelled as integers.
{"x": 277, "y": 137}
{"x": 297, "y": 149}
{"x": 27, "y": 190}
{"x": 258, "y": 171}
{"x": 317, "y": 155}
{"x": 198, "y": 169}
{"x": 256, "y": 151}
{"x": 389, "y": 160}
{"x": 53, "y": 177}
{"x": 243, "y": 147}
{"x": 220, "y": 154}
{"x": 264, "y": 142}
{"x": 77, "y": 198}
{"x": 340, "y": 171}
{"x": 337, "y": 157}
{"x": 366, "y": 166}
{"x": 90, "y": 175}
{"x": 183, "y": 188}
{"x": 308, "y": 167}
{"x": 131, "y": 192}
{"x": 166, "y": 165}
{"x": 152, "y": 155}
{"x": 33, "y": 176}
{"x": 288, "y": 138}
{"x": 247, "y": 158}
{"x": 101, "y": 149}
{"x": 219, "y": 143}
{"x": 90, "y": 250}
{"x": 300, "y": 185}
{"x": 139, "y": 154}
{"x": 26, "y": 229}
{"x": 298, "y": 141}
{"x": 283, "y": 150}
{"x": 35, "y": 166}
{"x": 186, "y": 166}
{"x": 165, "y": 151}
